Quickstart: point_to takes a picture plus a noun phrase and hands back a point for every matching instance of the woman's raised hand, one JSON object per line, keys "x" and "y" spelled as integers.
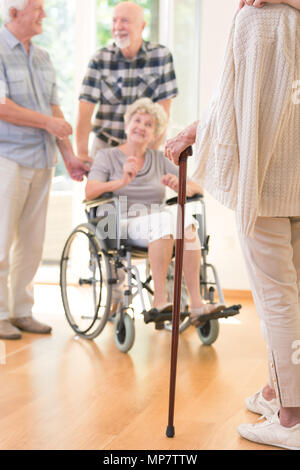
{"x": 130, "y": 170}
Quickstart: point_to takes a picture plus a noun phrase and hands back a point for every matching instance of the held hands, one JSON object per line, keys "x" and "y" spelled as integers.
{"x": 76, "y": 168}
{"x": 84, "y": 158}
{"x": 130, "y": 170}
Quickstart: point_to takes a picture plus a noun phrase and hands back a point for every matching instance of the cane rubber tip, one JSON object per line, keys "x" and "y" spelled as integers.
{"x": 170, "y": 431}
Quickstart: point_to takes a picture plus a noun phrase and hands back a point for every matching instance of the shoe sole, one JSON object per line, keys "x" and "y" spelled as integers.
{"x": 46, "y": 332}
{"x": 261, "y": 413}
{"x": 37, "y": 332}
{"x": 269, "y": 444}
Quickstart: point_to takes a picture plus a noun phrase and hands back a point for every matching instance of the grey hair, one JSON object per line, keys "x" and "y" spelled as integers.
{"x": 6, "y": 5}
{"x": 145, "y": 105}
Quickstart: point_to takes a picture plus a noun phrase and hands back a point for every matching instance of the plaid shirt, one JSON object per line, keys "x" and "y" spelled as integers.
{"x": 114, "y": 82}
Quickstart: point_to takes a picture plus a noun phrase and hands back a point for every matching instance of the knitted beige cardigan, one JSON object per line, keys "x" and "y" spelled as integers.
{"x": 239, "y": 134}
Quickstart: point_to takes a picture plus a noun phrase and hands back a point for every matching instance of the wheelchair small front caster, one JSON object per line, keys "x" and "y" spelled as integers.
{"x": 160, "y": 325}
{"x": 124, "y": 332}
{"x": 209, "y": 332}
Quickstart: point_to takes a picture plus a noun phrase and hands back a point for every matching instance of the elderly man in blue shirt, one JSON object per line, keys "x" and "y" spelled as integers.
{"x": 31, "y": 126}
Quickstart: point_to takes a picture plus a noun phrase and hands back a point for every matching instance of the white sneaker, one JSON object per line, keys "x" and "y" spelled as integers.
{"x": 270, "y": 432}
{"x": 258, "y": 404}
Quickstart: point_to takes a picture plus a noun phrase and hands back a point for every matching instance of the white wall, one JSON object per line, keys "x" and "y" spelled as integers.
{"x": 225, "y": 252}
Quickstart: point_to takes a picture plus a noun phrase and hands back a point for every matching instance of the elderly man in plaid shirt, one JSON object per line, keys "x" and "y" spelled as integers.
{"x": 117, "y": 76}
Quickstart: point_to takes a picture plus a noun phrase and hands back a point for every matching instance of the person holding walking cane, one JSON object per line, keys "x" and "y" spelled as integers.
{"x": 247, "y": 156}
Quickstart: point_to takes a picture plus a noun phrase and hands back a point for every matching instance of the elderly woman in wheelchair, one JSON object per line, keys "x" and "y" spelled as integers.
{"x": 138, "y": 176}
{"x": 128, "y": 219}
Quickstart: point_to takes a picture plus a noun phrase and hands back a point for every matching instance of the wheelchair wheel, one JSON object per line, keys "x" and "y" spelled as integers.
{"x": 84, "y": 280}
{"x": 124, "y": 332}
{"x": 209, "y": 332}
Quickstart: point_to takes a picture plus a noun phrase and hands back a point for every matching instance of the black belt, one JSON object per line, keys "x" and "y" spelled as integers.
{"x": 108, "y": 140}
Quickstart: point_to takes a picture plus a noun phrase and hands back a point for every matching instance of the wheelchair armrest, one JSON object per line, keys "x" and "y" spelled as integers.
{"x": 174, "y": 200}
{"x": 106, "y": 197}
{"x": 91, "y": 209}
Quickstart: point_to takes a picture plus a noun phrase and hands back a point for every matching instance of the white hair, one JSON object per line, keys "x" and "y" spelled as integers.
{"x": 6, "y": 5}
{"x": 145, "y": 105}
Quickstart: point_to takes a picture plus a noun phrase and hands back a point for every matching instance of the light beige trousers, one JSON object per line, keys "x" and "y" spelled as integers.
{"x": 24, "y": 194}
{"x": 273, "y": 263}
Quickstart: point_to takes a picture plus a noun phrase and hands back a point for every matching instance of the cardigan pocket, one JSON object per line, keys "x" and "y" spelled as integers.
{"x": 226, "y": 163}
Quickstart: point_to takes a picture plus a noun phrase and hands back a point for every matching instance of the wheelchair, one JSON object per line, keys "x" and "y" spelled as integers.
{"x": 89, "y": 268}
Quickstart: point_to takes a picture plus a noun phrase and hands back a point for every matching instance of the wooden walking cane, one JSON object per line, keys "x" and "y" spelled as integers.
{"x": 177, "y": 284}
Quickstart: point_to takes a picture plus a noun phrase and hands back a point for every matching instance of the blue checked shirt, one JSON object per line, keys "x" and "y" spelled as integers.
{"x": 114, "y": 82}
{"x": 28, "y": 80}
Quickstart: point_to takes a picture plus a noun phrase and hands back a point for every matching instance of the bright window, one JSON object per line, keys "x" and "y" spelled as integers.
{"x": 58, "y": 39}
{"x": 184, "y": 45}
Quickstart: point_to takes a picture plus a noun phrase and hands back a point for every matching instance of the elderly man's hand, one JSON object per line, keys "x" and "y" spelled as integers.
{"x": 85, "y": 158}
{"x": 58, "y": 127}
{"x": 76, "y": 168}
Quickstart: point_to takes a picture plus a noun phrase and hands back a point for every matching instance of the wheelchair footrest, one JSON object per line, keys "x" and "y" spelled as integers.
{"x": 153, "y": 316}
{"x": 227, "y": 312}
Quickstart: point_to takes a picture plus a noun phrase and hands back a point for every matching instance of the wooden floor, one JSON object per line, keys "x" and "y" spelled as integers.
{"x": 59, "y": 392}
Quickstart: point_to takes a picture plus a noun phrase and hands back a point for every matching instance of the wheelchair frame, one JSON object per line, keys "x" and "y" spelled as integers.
{"x": 119, "y": 254}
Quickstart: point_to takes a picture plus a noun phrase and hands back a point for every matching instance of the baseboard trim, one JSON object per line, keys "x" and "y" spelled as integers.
{"x": 228, "y": 293}
{"x": 46, "y": 283}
